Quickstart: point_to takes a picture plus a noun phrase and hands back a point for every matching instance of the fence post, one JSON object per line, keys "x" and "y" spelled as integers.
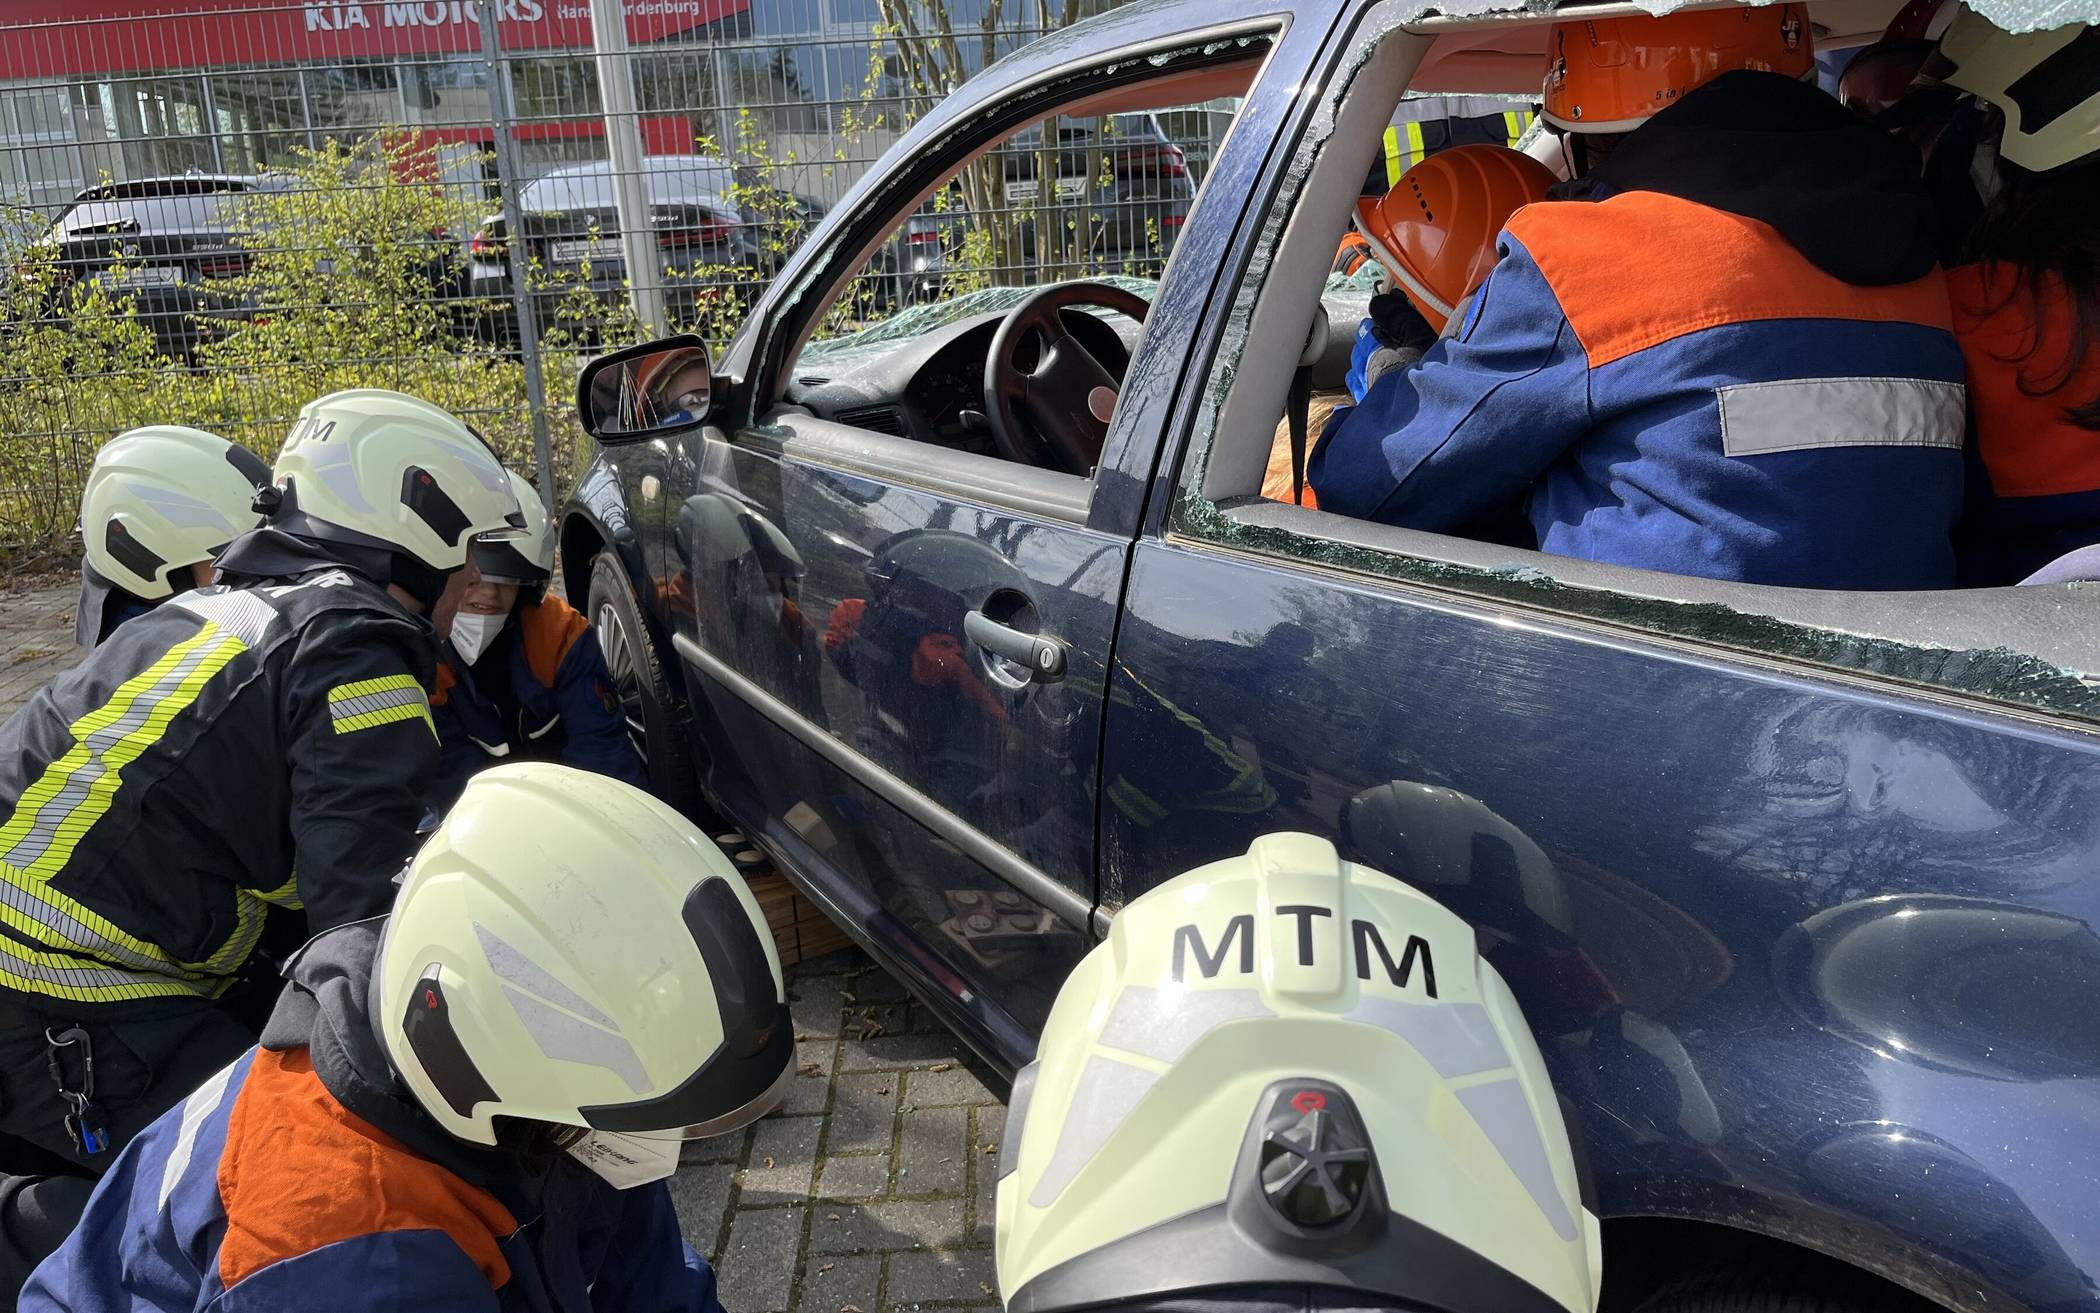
{"x": 623, "y": 141}
{"x": 509, "y": 178}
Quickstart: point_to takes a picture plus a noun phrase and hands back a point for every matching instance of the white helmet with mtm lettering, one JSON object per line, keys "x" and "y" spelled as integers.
{"x": 1288, "y": 1077}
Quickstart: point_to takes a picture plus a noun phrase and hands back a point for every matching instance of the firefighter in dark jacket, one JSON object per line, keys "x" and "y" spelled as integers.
{"x": 520, "y": 676}
{"x": 261, "y": 744}
{"x": 161, "y": 503}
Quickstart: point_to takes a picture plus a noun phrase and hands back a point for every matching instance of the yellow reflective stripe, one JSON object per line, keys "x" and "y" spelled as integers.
{"x": 81, "y": 980}
{"x": 74, "y": 792}
{"x": 1392, "y": 157}
{"x": 284, "y": 895}
{"x": 370, "y": 703}
{"x": 1415, "y": 148}
{"x": 1514, "y": 123}
{"x": 247, "y": 930}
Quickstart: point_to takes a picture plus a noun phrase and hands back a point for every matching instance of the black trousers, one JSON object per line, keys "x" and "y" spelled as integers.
{"x": 142, "y": 1068}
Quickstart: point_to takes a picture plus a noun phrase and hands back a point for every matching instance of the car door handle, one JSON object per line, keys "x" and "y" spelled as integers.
{"x": 1042, "y": 656}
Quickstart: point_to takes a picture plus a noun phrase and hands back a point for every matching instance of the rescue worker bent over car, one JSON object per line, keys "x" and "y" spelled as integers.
{"x": 521, "y": 677}
{"x": 471, "y": 1103}
{"x": 1729, "y": 354}
{"x": 238, "y": 748}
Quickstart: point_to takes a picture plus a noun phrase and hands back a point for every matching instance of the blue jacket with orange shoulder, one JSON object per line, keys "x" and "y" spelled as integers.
{"x": 303, "y": 1179}
{"x": 1731, "y": 357}
{"x": 540, "y": 693}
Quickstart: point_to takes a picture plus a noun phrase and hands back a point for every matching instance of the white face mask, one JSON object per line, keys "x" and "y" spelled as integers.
{"x": 473, "y": 631}
{"x": 626, "y": 1161}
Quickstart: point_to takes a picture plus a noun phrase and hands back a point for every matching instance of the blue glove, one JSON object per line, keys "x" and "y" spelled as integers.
{"x": 1367, "y": 345}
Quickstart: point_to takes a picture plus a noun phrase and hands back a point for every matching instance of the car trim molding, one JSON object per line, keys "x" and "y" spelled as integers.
{"x": 1024, "y": 876}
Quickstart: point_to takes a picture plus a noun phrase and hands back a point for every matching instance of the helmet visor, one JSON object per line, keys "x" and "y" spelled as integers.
{"x": 498, "y": 557}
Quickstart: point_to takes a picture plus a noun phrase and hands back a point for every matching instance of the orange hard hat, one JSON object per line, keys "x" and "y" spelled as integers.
{"x": 1610, "y": 74}
{"x": 1435, "y": 230}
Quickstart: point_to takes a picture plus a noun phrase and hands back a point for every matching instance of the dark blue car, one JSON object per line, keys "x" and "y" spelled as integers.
{"x": 974, "y": 619}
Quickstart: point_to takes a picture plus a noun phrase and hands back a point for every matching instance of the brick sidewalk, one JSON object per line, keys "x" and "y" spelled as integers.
{"x": 871, "y": 1189}
{"x": 36, "y": 640}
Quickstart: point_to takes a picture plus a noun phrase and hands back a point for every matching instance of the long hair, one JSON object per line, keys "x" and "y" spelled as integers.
{"x": 2045, "y": 226}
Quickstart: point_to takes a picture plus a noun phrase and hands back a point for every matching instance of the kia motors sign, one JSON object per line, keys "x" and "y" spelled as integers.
{"x": 123, "y": 36}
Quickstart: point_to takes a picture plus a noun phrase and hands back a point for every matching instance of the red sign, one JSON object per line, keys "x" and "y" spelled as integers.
{"x": 124, "y": 36}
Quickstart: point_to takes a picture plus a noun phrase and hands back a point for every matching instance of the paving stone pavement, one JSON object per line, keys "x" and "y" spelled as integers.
{"x": 869, "y": 1191}
{"x": 36, "y": 639}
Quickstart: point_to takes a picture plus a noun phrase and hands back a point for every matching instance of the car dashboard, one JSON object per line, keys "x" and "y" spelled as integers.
{"x": 930, "y": 387}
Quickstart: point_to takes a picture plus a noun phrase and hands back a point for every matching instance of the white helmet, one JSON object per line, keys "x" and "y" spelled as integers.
{"x": 1288, "y": 1072}
{"x": 566, "y": 949}
{"x": 164, "y": 498}
{"x": 372, "y": 468}
{"x": 2047, "y": 84}
{"x": 528, "y": 559}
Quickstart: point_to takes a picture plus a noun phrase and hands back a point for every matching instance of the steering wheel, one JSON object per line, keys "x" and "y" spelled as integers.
{"x": 1056, "y": 414}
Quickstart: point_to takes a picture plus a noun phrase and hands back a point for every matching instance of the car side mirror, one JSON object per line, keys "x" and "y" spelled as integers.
{"x": 646, "y": 391}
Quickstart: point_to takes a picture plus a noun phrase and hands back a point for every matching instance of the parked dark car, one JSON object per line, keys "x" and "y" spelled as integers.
{"x": 981, "y": 630}
{"x": 1135, "y": 200}
{"x": 167, "y": 244}
{"x": 718, "y": 232}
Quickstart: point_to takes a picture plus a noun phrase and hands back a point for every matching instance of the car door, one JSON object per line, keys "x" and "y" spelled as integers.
{"x": 1794, "y": 886}
{"x": 898, "y": 645}
{"x": 848, "y": 709}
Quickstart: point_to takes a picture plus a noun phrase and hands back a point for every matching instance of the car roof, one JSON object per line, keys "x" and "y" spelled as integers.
{"x": 1485, "y": 47}
{"x": 666, "y": 178}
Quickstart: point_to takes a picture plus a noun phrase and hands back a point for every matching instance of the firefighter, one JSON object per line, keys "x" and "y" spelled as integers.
{"x": 161, "y": 503}
{"x": 1433, "y": 237}
{"x": 520, "y": 675}
{"x": 1727, "y": 353}
{"x": 262, "y": 744}
{"x": 472, "y": 1102}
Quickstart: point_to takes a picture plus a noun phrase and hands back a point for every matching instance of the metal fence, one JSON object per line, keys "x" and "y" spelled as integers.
{"x": 216, "y": 210}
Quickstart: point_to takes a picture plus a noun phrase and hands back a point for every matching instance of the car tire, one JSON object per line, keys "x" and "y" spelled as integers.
{"x": 637, "y": 670}
{"x": 1811, "y": 1286}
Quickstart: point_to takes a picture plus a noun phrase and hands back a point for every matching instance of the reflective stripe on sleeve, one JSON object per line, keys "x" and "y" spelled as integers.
{"x": 370, "y": 703}
{"x": 1759, "y": 419}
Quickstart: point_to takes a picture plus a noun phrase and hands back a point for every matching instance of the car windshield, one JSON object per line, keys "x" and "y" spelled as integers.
{"x": 1346, "y": 297}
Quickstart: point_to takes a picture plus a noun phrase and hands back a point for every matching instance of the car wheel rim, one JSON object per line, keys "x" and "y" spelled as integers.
{"x": 618, "y": 649}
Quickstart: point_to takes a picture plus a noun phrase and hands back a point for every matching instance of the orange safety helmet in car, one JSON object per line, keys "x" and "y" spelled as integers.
{"x": 1435, "y": 230}
{"x": 1611, "y": 74}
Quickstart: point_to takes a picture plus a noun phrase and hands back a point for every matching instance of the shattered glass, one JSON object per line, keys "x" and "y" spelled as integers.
{"x": 1998, "y": 673}
{"x": 925, "y": 318}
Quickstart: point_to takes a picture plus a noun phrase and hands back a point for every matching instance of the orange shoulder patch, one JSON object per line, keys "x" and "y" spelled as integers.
{"x": 301, "y": 1172}
{"x": 549, "y": 630}
{"x": 445, "y": 680}
{"x": 1642, "y": 269}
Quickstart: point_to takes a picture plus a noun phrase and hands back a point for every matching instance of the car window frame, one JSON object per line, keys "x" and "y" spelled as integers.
{"x": 2014, "y": 651}
{"x": 838, "y": 255}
